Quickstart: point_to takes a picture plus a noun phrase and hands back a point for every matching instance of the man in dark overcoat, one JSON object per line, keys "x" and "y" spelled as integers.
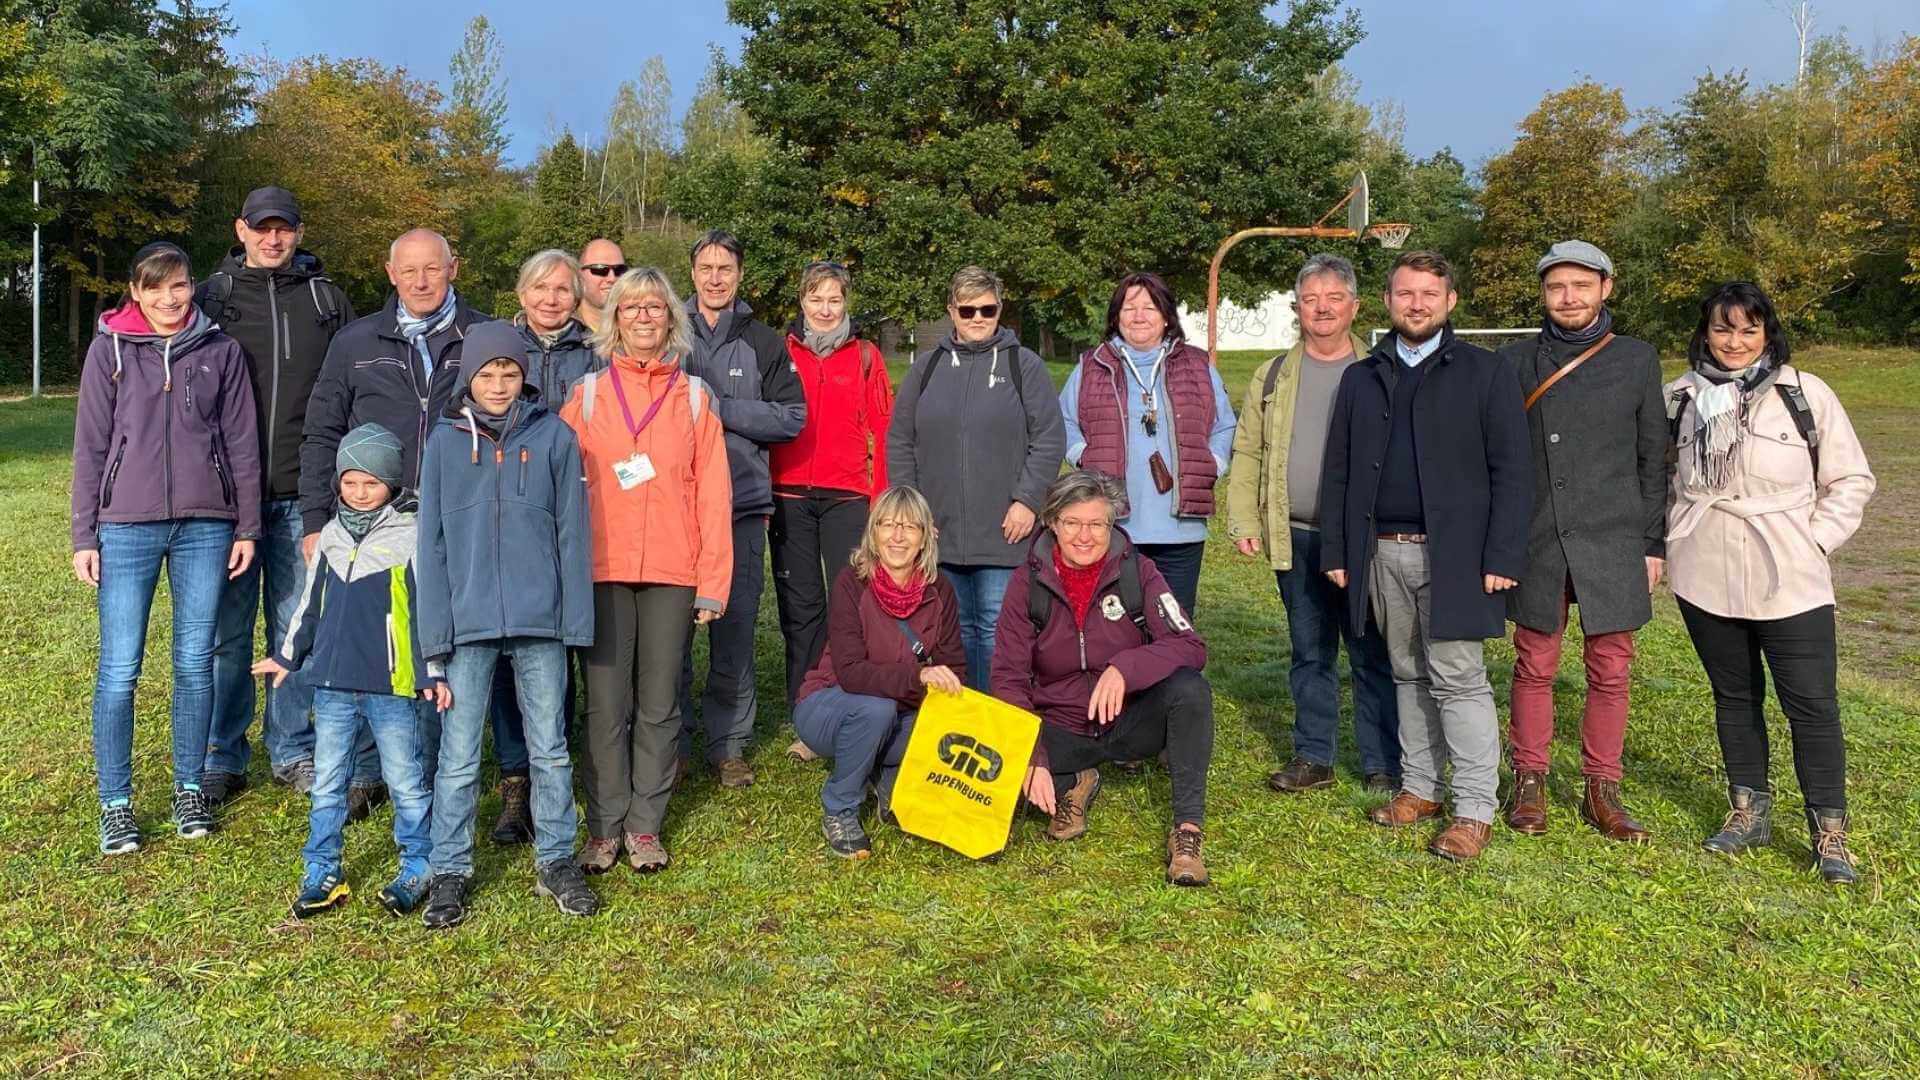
{"x": 1599, "y": 437}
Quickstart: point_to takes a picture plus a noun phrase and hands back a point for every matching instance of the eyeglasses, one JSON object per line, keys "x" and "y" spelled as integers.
{"x": 605, "y": 269}
{"x": 910, "y": 528}
{"x": 651, "y": 311}
{"x": 984, "y": 311}
{"x": 1097, "y": 528}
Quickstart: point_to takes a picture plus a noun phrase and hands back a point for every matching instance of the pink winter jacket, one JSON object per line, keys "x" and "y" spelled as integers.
{"x": 1758, "y": 549}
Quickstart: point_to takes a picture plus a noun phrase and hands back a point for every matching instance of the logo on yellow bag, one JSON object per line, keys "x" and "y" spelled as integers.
{"x": 961, "y": 775}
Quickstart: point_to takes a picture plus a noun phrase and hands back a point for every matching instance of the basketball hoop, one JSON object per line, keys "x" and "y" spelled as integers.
{"x": 1392, "y": 236}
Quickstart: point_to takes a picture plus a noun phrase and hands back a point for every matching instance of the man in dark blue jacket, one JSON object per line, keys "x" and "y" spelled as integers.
{"x": 1426, "y": 492}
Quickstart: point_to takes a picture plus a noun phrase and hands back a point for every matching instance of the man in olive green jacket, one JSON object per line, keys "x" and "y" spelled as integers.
{"x": 1273, "y": 502}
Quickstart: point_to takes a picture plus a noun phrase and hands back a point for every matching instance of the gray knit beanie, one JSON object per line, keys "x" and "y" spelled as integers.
{"x": 371, "y": 449}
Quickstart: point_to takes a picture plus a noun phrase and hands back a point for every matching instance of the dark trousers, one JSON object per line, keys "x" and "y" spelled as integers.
{"x": 1800, "y": 650}
{"x": 627, "y": 756}
{"x": 731, "y": 701}
{"x": 812, "y": 537}
{"x": 1174, "y": 714}
{"x": 1180, "y": 565}
{"x": 1316, "y": 625}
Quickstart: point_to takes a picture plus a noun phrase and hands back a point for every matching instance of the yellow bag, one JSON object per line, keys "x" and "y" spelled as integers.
{"x": 966, "y": 762}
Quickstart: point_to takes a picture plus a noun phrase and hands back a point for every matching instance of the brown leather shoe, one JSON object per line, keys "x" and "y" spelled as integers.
{"x": 1462, "y": 840}
{"x": 735, "y": 773}
{"x": 1528, "y": 814}
{"x": 1600, "y": 807}
{"x": 1301, "y": 775}
{"x": 1403, "y": 809}
{"x": 1071, "y": 806}
{"x": 1184, "y": 864}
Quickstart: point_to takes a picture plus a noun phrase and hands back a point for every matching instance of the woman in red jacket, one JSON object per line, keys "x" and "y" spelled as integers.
{"x": 894, "y": 631}
{"x": 824, "y": 477}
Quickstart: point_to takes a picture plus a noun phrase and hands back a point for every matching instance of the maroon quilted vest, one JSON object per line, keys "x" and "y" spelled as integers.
{"x": 1103, "y": 420}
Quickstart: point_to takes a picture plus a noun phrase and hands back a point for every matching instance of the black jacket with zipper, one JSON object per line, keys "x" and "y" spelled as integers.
{"x": 372, "y": 375}
{"x": 284, "y": 320}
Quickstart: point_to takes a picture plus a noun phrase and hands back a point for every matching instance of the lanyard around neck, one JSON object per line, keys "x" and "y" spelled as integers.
{"x": 652, "y": 410}
{"x": 1151, "y": 378}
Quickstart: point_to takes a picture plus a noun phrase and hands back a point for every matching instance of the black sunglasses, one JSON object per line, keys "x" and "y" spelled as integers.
{"x": 984, "y": 311}
{"x": 605, "y": 269}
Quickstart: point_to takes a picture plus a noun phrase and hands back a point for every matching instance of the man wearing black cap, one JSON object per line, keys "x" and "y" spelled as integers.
{"x": 270, "y": 295}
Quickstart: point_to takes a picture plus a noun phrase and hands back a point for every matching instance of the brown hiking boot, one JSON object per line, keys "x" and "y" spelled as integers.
{"x": 800, "y": 751}
{"x": 1528, "y": 814}
{"x": 735, "y": 773}
{"x": 1071, "y": 806}
{"x": 1301, "y": 775}
{"x": 682, "y": 770}
{"x": 1462, "y": 840}
{"x": 600, "y": 854}
{"x": 1184, "y": 864}
{"x": 1600, "y": 807}
{"x": 1403, "y": 809}
{"x": 646, "y": 853}
{"x": 515, "y": 823}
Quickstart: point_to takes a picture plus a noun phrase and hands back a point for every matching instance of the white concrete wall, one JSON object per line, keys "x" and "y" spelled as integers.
{"x": 1271, "y": 326}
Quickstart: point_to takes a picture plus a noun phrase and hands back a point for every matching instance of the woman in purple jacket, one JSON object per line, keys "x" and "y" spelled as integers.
{"x": 166, "y": 468}
{"x": 1092, "y": 638}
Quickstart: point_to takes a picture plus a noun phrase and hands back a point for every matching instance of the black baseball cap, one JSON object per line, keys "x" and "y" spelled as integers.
{"x": 270, "y": 202}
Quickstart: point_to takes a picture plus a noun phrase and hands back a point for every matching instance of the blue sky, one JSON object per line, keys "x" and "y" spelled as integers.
{"x": 1464, "y": 73}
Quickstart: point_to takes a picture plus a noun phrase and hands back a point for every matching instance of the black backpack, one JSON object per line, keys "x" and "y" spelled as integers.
{"x": 933, "y": 361}
{"x": 1791, "y": 395}
{"x": 1133, "y": 597}
{"x": 220, "y": 290}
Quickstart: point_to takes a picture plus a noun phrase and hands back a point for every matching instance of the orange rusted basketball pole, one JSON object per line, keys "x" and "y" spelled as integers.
{"x": 1213, "y": 272}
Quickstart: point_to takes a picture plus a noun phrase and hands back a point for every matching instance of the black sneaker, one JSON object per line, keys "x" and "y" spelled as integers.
{"x": 845, "y": 837}
{"x": 562, "y": 882}
{"x": 404, "y": 893}
{"x": 320, "y": 892}
{"x": 446, "y": 902}
{"x": 192, "y": 818}
{"x": 221, "y": 786}
{"x": 362, "y": 800}
{"x": 119, "y": 833}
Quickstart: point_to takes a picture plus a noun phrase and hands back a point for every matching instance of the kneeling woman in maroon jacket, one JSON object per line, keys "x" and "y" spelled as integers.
{"x": 893, "y": 631}
{"x": 1092, "y": 639}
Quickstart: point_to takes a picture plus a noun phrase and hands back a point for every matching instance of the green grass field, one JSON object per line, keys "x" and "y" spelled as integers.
{"x": 1325, "y": 946}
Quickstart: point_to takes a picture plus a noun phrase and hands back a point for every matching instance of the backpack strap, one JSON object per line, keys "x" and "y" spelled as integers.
{"x": 1014, "y": 374}
{"x": 1133, "y": 597}
{"x": 1273, "y": 377}
{"x": 587, "y": 387}
{"x": 697, "y": 395}
{"x": 1802, "y": 413}
{"x": 219, "y": 291}
{"x": 1676, "y": 408}
{"x": 920, "y": 650}
{"x": 325, "y": 301}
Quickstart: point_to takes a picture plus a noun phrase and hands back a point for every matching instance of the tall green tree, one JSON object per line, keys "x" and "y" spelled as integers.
{"x": 564, "y": 212}
{"x": 484, "y": 199}
{"x": 1061, "y": 142}
{"x": 633, "y": 162}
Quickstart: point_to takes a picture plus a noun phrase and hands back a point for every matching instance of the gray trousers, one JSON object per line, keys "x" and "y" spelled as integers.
{"x": 632, "y": 670}
{"x": 1445, "y": 701}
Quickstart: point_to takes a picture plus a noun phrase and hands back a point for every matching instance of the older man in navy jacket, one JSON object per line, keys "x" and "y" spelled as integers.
{"x": 1425, "y": 498}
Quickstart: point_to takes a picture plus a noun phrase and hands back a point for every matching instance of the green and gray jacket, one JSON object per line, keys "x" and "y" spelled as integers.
{"x": 1257, "y": 477}
{"x": 354, "y": 628}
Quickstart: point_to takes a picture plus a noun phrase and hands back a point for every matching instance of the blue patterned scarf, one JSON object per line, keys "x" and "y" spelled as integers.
{"x": 418, "y": 330}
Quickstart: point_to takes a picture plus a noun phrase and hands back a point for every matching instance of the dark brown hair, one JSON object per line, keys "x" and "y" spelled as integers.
{"x": 154, "y": 264}
{"x": 1427, "y": 262}
{"x": 1158, "y": 292}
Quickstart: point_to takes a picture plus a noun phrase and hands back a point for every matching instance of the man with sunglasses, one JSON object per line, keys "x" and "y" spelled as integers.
{"x": 601, "y": 264}
{"x": 760, "y": 401}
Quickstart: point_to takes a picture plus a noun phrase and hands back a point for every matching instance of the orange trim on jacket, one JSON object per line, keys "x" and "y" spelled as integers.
{"x": 843, "y": 446}
{"x": 673, "y": 529}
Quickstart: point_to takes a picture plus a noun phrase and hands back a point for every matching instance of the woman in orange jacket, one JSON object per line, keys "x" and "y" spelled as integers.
{"x": 660, "y": 506}
{"x": 825, "y": 479}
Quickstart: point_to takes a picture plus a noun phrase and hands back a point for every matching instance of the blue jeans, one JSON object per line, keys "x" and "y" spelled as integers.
{"x": 195, "y": 551}
{"x": 979, "y": 590}
{"x": 539, "y": 682}
{"x": 339, "y": 716}
{"x": 509, "y": 730}
{"x": 1316, "y": 625}
{"x": 858, "y": 731}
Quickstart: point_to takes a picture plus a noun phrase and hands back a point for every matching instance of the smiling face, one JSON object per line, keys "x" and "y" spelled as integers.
{"x": 496, "y": 386}
{"x": 899, "y": 543}
{"x": 1141, "y": 323}
{"x": 422, "y": 269}
{"x": 975, "y": 318}
{"x": 549, "y": 302}
{"x": 1573, "y": 294}
{"x": 601, "y": 264}
{"x": 644, "y": 323}
{"x": 1084, "y": 531}
{"x": 363, "y": 491}
{"x": 1735, "y": 340}
{"x": 824, "y": 306}
{"x": 1418, "y": 303}
{"x": 165, "y": 303}
{"x": 272, "y": 245}
{"x": 716, "y": 278}
{"x": 1326, "y": 307}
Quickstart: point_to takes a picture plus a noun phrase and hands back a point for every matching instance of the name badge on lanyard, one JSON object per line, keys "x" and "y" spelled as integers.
{"x": 633, "y": 472}
{"x": 638, "y": 469}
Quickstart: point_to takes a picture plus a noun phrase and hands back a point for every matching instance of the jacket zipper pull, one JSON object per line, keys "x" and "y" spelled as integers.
{"x": 499, "y": 455}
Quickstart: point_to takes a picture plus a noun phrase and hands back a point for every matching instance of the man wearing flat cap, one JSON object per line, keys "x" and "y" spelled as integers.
{"x": 1597, "y": 425}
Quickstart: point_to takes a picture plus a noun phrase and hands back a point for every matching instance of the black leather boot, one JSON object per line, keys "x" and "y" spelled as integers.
{"x": 1749, "y": 824}
{"x": 1828, "y": 832}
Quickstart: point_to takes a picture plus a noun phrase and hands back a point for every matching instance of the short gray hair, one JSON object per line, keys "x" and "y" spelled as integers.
{"x": 973, "y": 281}
{"x": 393, "y": 249}
{"x": 1323, "y": 263}
{"x": 1083, "y": 485}
{"x": 644, "y": 281}
{"x": 542, "y": 263}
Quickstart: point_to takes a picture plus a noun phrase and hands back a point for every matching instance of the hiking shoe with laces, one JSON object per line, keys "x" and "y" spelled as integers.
{"x": 1749, "y": 822}
{"x": 362, "y": 800}
{"x": 119, "y": 832}
{"x": 735, "y": 773}
{"x": 404, "y": 893}
{"x": 446, "y": 902}
{"x": 515, "y": 823}
{"x": 298, "y": 776}
{"x": 320, "y": 892}
{"x": 1301, "y": 775}
{"x": 1831, "y": 859}
{"x": 645, "y": 853}
{"x": 845, "y": 837}
{"x": 221, "y": 786}
{"x": 192, "y": 818}
{"x": 1071, "y": 806}
{"x": 800, "y": 751}
{"x": 1184, "y": 864}
{"x": 561, "y": 882}
{"x": 600, "y": 854}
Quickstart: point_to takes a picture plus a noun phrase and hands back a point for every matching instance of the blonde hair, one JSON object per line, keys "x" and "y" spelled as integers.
{"x": 644, "y": 281}
{"x": 898, "y": 504}
{"x": 819, "y": 273}
{"x": 974, "y": 281}
{"x": 542, "y": 263}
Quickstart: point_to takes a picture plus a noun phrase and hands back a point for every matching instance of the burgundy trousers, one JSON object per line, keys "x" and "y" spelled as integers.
{"x": 1603, "y": 725}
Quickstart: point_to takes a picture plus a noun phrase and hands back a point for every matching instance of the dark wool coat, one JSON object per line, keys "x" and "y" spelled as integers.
{"x": 1476, "y": 484}
{"x": 1599, "y": 443}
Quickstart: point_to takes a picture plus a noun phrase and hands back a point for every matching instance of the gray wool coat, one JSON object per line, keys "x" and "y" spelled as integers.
{"x": 1599, "y": 441}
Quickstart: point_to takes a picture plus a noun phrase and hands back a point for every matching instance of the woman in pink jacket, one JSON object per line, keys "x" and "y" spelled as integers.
{"x": 1770, "y": 480}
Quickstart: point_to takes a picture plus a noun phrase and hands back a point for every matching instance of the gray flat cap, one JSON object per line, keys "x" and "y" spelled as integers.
{"x": 1577, "y": 252}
